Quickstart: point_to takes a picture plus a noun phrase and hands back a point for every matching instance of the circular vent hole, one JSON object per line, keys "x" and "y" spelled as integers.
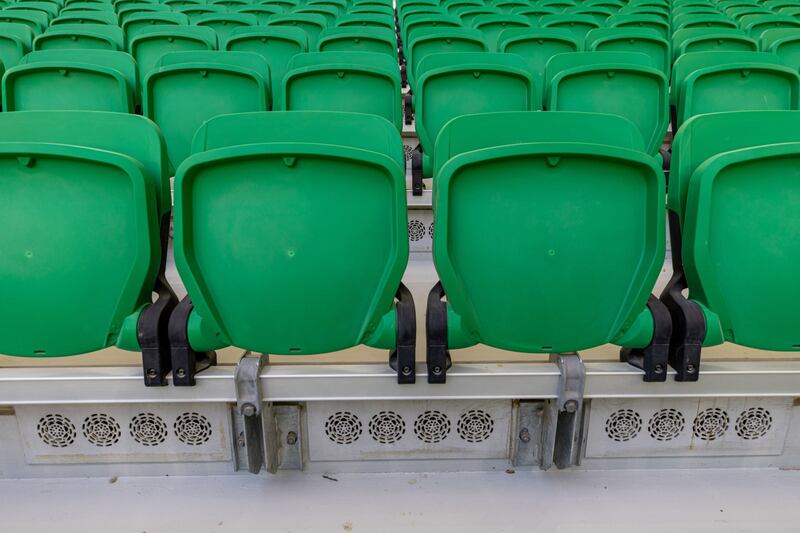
{"x": 623, "y": 425}
{"x": 101, "y": 430}
{"x": 753, "y": 423}
{"x": 430, "y": 230}
{"x": 666, "y": 424}
{"x": 432, "y": 427}
{"x": 387, "y": 427}
{"x": 711, "y": 424}
{"x": 56, "y": 430}
{"x": 416, "y": 230}
{"x": 408, "y": 152}
{"x": 148, "y": 429}
{"x": 192, "y": 428}
{"x": 343, "y": 427}
{"x": 475, "y": 426}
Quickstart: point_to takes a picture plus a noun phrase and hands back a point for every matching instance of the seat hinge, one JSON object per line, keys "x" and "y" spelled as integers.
{"x": 561, "y": 428}
{"x": 259, "y": 422}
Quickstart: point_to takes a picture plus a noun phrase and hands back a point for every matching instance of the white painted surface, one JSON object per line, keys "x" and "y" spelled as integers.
{"x": 678, "y": 501}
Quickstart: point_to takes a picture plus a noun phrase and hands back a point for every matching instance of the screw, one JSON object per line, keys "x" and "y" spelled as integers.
{"x": 659, "y": 369}
{"x": 248, "y": 409}
{"x": 181, "y": 373}
{"x": 151, "y": 373}
{"x": 406, "y": 370}
{"x": 524, "y": 435}
{"x": 690, "y": 368}
{"x": 291, "y": 438}
{"x": 571, "y": 406}
{"x": 437, "y": 370}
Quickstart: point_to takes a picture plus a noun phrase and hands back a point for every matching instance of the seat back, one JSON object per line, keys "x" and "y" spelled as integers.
{"x": 705, "y": 40}
{"x": 756, "y": 25}
{"x": 366, "y": 20}
{"x": 451, "y": 85}
{"x": 355, "y": 82}
{"x": 262, "y": 13}
{"x": 311, "y": 24}
{"x": 276, "y": 44}
{"x": 617, "y": 83}
{"x": 491, "y": 26}
{"x": 578, "y": 25}
{"x": 597, "y": 195}
{"x": 88, "y": 80}
{"x": 81, "y": 36}
{"x": 85, "y": 218}
{"x": 627, "y": 39}
{"x": 86, "y": 17}
{"x": 640, "y": 21}
{"x": 155, "y": 41}
{"x": 785, "y": 43}
{"x": 16, "y": 40}
{"x": 254, "y": 172}
{"x": 357, "y": 39}
{"x": 426, "y": 41}
{"x": 35, "y": 20}
{"x": 196, "y": 11}
{"x": 185, "y": 89}
{"x": 138, "y": 22}
{"x": 224, "y": 24}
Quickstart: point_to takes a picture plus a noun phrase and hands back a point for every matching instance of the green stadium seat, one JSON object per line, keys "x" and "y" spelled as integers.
{"x": 276, "y": 44}
{"x": 372, "y": 9}
{"x": 535, "y": 14}
{"x": 129, "y": 10}
{"x": 785, "y": 43}
{"x": 597, "y": 194}
{"x": 507, "y": 6}
{"x": 354, "y": 82}
{"x": 617, "y": 83}
{"x": 225, "y": 23}
{"x": 86, "y": 17}
{"x": 355, "y": 39}
{"x": 628, "y": 39}
{"x": 579, "y": 25}
{"x": 48, "y": 8}
{"x": 228, "y": 4}
{"x": 35, "y": 20}
{"x": 468, "y": 15}
{"x": 311, "y": 24}
{"x": 16, "y": 40}
{"x": 136, "y": 23}
{"x": 74, "y": 80}
{"x": 599, "y": 14}
{"x": 415, "y": 22}
{"x": 101, "y": 184}
{"x": 303, "y": 296}
{"x": 699, "y": 20}
{"x": 536, "y": 47}
{"x": 712, "y": 82}
{"x": 87, "y": 6}
{"x": 81, "y": 36}
{"x": 652, "y": 22}
{"x": 426, "y": 41}
{"x": 195, "y": 12}
{"x": 454, "y": 84}
{"x": 738, "y": 12}
{"x": 707, "y": 40}
{"x": 733, "y": 182}
{"x": 184, "y": 89}
{"x": 755, "y": 25}
{"x": 262, "y": 13}
{"x": 367, "y": 21}
{"x": 493, "y": 25}
{"x": 155, "y": 41}
{"x": 328, "y": 13}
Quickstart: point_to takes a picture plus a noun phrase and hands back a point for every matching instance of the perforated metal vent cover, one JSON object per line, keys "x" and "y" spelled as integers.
{"x": 416, "y": 230}
{"x": 408, "y": 430}
{"x": 420, "y": 230}
{"x": 684, "y": 427}
{"x": 125, "y": 433}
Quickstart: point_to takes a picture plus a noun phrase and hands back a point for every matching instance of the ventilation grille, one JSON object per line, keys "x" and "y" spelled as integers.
{"x": 711, "y": 424}
{"x": 192, "y": 428}
{"x": 432, "y": 427}
{"x": 475, "y": 426}
{"x": 101, "y": 430}
{"x": 343, "y": 427}
{"x": 387, "y": 427}
{"x": 416, "y": 230}
{"x": 623, "y": 425}
{"x": 56, "y": 430}
{"x": 666, "y": 424}
{"x": 686, "y": 427}
{"x": 408, "y": 151}
{"x": 754, "y": 423}
{"x": 148, "y": 429}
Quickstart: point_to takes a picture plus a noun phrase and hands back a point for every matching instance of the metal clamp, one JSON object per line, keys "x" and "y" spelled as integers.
{"x": 260, "y": 426}
{"x": 561, "y": 432}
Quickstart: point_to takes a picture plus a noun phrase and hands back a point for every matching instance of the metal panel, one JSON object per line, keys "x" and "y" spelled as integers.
{"x": 687, "y": 427}
{"x": 403, "y": 430}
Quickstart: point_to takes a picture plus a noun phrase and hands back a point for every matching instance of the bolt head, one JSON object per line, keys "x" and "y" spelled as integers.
{"x": 181, "y": 373}
{"x": 291, "y": 438}
{"x": 248, "y": 409}
{"x": 524, "y": 435}
{"x": 406, "y": 370}
{"x": 571, "y": 406}
{"x": 151, "y": 373}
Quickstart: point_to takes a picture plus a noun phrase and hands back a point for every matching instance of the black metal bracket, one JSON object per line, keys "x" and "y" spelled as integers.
{"x": 404, "y": 77}
{"x": 403, "y": 358}
{"x": 437, "y": 355}
{"x": 186, "y": 363}
{"x": 654, "y": 357}
{"x": 152, "y": 328}
{"x": 417, "y": 184}
{"x": 408, "y": 114}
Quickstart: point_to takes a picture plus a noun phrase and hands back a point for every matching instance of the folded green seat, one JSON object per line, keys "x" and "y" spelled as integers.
{"x": 80, "y": 36}
{"x": 86, "y": 17}
{"x": 366, "y": 20}
{"x": 453, "y": 84}
{"x": 83, "y": 196}
{"x": 711, "y": 82}
{"x": 77, "y": 80}
{"x": 16, "y": 40}
{"x": 311, "y": 24}
{"x": 705, "y": 40}
{"x": 785, "y": 43}
{"x": 355, "y": 82}
{"x": 138, "y": 23}
{"x": 618, "y": 83}
{"x": 264, "y": 265}
{"x": 276, "y": 44}
{"x": 357, "y": 39}
{"x": 574, "y": 247}
{"x": 578, "y": 25}
{"x": 49, "y": 8}
{"x": 734, "y": 212}
{"x": 626, "y": 39}
{"x": 491, "y": 26}
{"x": 185, "y": 89}
{"x": 35, "y": 20}
{"x": 225, "y": 23}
